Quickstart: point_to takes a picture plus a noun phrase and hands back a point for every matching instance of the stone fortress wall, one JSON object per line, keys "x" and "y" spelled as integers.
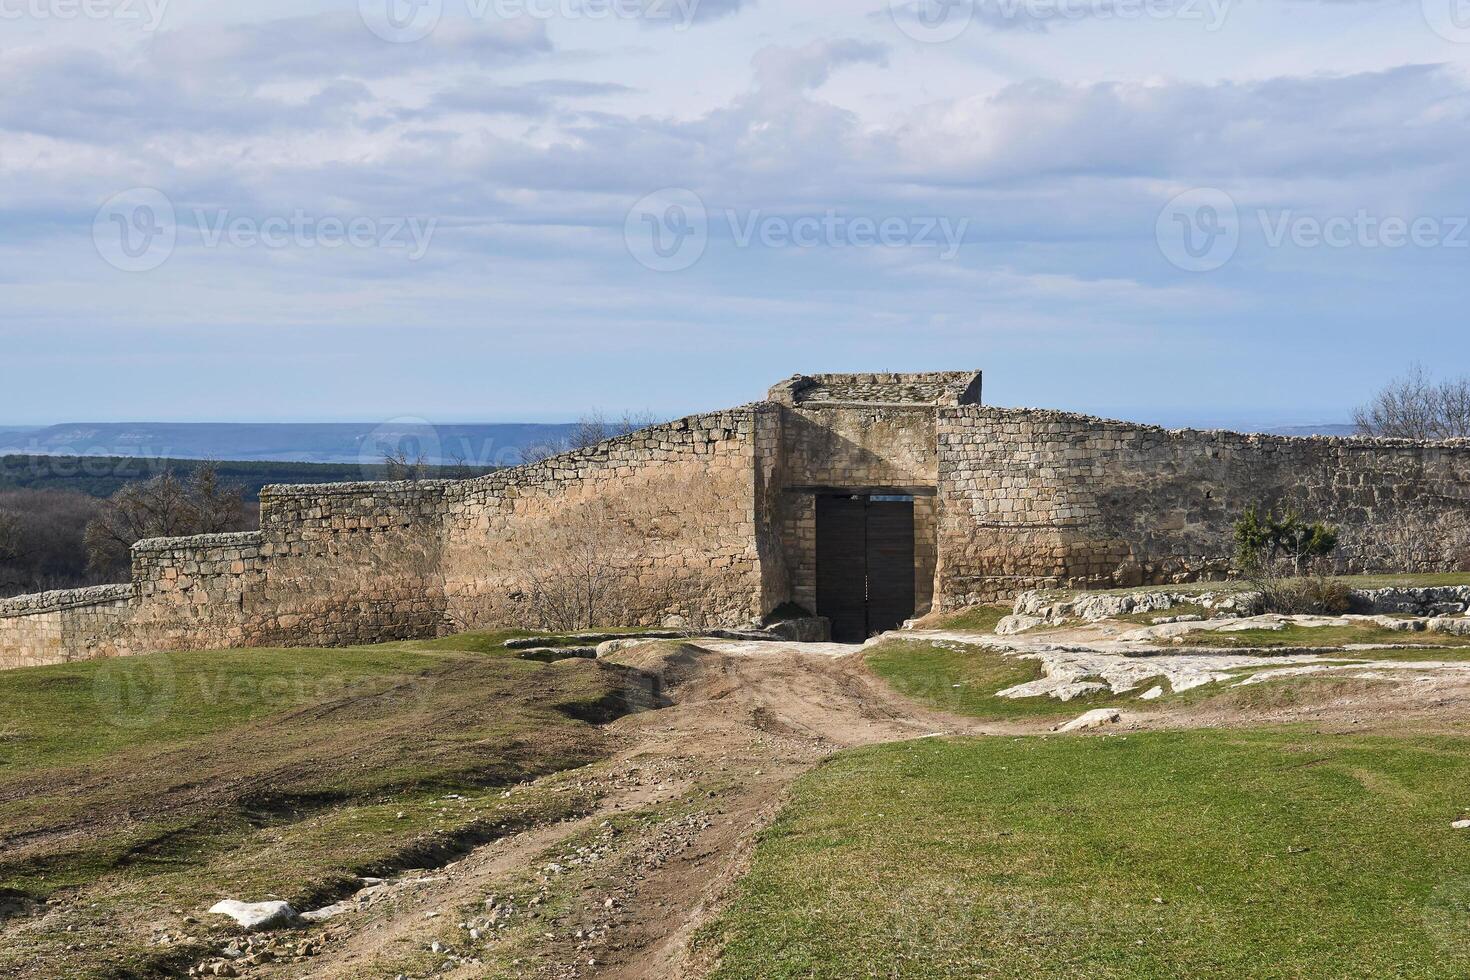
{"x": 344, "y": 564}
{"x": 672, "y": 510}
{"x": 710, "y": 521}
{"x": 1042, "y": 499}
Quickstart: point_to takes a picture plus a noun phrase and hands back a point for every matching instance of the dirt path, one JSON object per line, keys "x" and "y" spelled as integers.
{"x": 611, "y": 898}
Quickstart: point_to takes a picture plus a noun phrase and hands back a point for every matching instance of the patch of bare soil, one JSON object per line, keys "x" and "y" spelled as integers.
{"x": 622, "y": 892}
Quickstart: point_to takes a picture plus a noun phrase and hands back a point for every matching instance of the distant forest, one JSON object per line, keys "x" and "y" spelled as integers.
{"x": 48, "y": 504}
{"x": 103, "y": 476}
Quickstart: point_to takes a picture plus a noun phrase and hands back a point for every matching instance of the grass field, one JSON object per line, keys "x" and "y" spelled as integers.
{"x": 1236, "y": 585}
{"x": 1264, "y": 853}
{"x": 281, "y": 772}
{"x": 965, "y": 679}
{"x": 972, "y": 619}
{"x": 1319, "y": 637}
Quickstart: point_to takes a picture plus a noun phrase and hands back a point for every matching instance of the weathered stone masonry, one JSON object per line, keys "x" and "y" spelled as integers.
{"x": 712, "y": 519}
{"x": 1037, "y": 499}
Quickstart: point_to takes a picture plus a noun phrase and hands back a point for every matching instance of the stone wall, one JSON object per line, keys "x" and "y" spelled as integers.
{"x": 352, "y": 563}
{"x": 57, "y": 627}
{"x": 1040, "y": 499}
{"x": 332, "y": 565}
{"x": 666, "y": 519}
{"x": 710, "y": 520}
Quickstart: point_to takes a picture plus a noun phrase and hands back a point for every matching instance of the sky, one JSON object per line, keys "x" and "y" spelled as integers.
{"x": 520, "y": 210}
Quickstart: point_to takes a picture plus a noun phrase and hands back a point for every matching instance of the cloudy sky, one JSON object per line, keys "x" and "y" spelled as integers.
{"x": 521, "y": 209}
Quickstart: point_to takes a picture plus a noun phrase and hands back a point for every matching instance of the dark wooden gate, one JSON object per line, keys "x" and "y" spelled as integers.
{"x": 865, "y": 565}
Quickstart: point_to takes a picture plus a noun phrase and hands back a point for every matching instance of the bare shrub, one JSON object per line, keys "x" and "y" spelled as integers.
{"x": 591, "y": 429}
{"x": 10, "y": 544}
{"x": 163, "y": 507}
{"x": 400, "y": 468}
{"x": 1416, "y": 406}
{"x": 1415, "y": 542}
{"x": 1318, "y": 593}
{"x": 603, "y": 559}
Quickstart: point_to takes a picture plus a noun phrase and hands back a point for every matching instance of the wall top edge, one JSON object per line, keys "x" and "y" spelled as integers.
{"x": 46, "y": 602}
{"x": 355, "y": 489}
{"x": 1078, "y": 419}
{"x": 237, "y": 539}
{"x": 703, "y": 420}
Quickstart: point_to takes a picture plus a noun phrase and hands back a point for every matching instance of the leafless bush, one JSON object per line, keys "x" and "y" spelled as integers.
{"x": 1414, "y": 542}
{"x": 399, "y": 468}
{"x": 10, "y": 544}
{"x": 591, "y": 429}
{"x": 163, "y": 507}
{"x": 603, "y": 559}
{"x": 1416, "y": 406}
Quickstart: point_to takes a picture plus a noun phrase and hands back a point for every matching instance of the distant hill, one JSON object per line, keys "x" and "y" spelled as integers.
{"x": 1313, "y": 430}
{"x": 342, "y": 442}
{"x": 103, "y": 476}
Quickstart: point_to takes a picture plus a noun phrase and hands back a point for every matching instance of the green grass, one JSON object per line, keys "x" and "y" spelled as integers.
{"x": 964, "y": 680}
{"x": 1236, "y": 585}
{"x": 1318, "y": 637}
{"x": 972, "y": 619}
{"x": 147, "y": 784}
{"x": 1264, "y": 854}
{"x": 69, "y": 713}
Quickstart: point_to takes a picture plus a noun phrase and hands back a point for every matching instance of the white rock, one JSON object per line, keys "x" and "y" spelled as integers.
{"x": 1011, "y": 625}
{"x": 1093, "y": 719}
{"x": 329, "y": 912}
{"x": 1151, "y": 694}
{"x": 1461, "y": 825}
{"x": 610, "y": 647}
{"x": 258, "y": 915}
{"x": 1459, "y": 625}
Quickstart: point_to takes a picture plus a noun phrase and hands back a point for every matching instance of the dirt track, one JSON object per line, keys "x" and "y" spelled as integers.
{"x": 747, "y": 719}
